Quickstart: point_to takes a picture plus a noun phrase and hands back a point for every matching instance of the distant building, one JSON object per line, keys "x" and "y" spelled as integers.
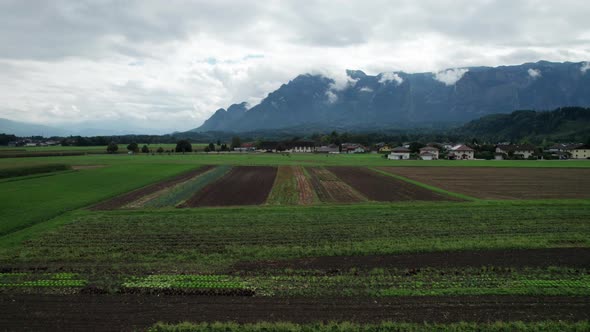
{"x": 353, "y": 148}
{"x": 332, "y": 148}
{"x": 581, "y": 152}
{"x": 461, "y": 152}
{"x": 385, "y": 149}
{"x": 429, "y": 153}
{"x": 522, "y": 151}
{"x": 399, "y": 153}
{"x": 300, "y": 146}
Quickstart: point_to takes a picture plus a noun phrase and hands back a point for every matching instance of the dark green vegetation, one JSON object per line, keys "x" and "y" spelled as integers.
{"x": 37, "y": 169}
{"x": 212, "y": 239}
{"x": 567, "y": 124}
{"x": 384, "y": 326}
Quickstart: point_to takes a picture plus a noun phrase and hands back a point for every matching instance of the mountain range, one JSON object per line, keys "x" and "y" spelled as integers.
{"x": 407, "y": 100}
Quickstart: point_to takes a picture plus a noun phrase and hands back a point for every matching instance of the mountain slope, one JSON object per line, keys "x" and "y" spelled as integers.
{"x": 405, "y": 100}
{"x": 563, "y": 124}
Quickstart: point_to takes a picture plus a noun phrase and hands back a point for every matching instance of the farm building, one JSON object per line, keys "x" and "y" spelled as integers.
{"x": 429, "y": 153}
{"x": 561, "y": 150}
{"x": 523, "y": 151}
{"x": 399, "y": 153}
{"x": 581, "y": 152}
{"x": 462, "y": 152}
{"x": 300, "y": 146}
{"x": 246, "y": 147}
{"x": 332, "y": 148}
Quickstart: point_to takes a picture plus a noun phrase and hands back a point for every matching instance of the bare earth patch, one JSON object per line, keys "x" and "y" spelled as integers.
{"x": 503, "y": 183}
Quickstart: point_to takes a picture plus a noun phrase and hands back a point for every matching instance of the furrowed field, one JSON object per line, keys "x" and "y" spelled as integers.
{"x": 283, "y": 242}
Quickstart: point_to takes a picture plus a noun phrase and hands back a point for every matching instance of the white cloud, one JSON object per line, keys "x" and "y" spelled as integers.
{"x": 450, "y": 76}
{"x": 534, "y": 73}
{"x": 170, "y": 65}
{"x": 585, "y": 67}
{"x": 390, "y": 77}
{"x": 366, "y": 89}
{"x": 332, "y": 97}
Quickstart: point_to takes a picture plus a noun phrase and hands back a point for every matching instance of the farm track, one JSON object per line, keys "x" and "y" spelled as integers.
{"x": 330, "y": 188}
{"x": 137, "y": 312}
{"x": 503, "y": 183}
{"x": 127, "y": 198}
{"x": 377, "y": 187}
{"x": 243, "y": 185}
{"x": 568, "y": 257}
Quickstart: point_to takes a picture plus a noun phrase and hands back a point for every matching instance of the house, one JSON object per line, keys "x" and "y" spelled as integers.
{"x": 581, "y": 152}
{"x": 384, "y": 149}
{"x": 332, "y": 148}
{"x": 399, "y": 153}
{"x": 246, "y": 147}
{"x": 269, "y": 146}
{"x": 462, "y": 152}
{"x": 520, "y": 151}
{"x": 353, "y": 148}
{"x": 561, "y": 150}
{"x": 429, "y": 153}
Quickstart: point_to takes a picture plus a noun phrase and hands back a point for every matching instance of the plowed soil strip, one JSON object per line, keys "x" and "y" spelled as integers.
{"x": 566, "y": 257}
{"x": 306, "y": 193}
{"x": 503, "y": 183}
{"x": 378, "y": 187}
{"x": 122, "y": 200}
{"x": 243, "y": 185}
{"x": 137, "y": 312}
{"x": 330, "y": 189}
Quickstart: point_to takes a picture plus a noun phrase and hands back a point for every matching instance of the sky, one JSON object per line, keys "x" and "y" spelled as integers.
{"x": 163, "y": 66}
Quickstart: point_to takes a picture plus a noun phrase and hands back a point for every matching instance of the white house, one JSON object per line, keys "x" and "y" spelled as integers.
{"x": 462, "y": 152}
{"x": 399, "y": 153}
{"x": 581, "y": 152}
{"x": 429, "y": 153}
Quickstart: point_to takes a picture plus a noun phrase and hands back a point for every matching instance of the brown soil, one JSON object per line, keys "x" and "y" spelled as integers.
{"x": 81, "y": 167}
{"x": 122, "y": 200}
{"x": 503, "y": 183}
{"x": 137, "y": 312}
{"x": 306, "y": 192}
{"x": 378, "y": 187}
{"x": 331, "y": 189}
{"x": 570, "y": 257}
{"x": 243, "y": 185}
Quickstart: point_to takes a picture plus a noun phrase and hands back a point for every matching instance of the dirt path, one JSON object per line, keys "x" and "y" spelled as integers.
{"x": 129, "y": 312}
{"x": 570, "y": 257}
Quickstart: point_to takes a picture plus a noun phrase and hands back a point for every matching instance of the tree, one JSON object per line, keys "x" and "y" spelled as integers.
{"x": 206, "y": 149}
{"x": 145, "y": 149}
{"x": 112, "y": 147}
{"x": 133, "y": 147}
{"x": 211, "y": 147}
{"x": 236, "y": 142}
{"x": 184, "y": 146}
{"x": 218, "y": 142}
{"x": 160, "y": 150}
{"x": 224, "y": 147}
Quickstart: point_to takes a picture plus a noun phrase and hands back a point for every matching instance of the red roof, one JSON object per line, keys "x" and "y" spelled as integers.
{"x": 462, "y": 148}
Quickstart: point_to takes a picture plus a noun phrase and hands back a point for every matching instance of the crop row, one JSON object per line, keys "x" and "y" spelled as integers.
{"x": 185, "y": 190}
{"x": 184, "y": 281}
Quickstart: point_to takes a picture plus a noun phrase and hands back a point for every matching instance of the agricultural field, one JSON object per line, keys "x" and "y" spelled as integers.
{"x": 286, "y": 242}
{"x": 504, "y": 183}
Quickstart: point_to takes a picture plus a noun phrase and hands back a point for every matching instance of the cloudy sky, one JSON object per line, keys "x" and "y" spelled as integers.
{"x": 168, "y": 65}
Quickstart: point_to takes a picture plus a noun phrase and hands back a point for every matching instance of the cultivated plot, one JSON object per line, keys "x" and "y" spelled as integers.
{"x": 243, "y": 185}
{"x": 331, "y": 189}
{"x": 503, "y": 183}
{"x": 378, "y": 187}
{"x": 148, "y": 191}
